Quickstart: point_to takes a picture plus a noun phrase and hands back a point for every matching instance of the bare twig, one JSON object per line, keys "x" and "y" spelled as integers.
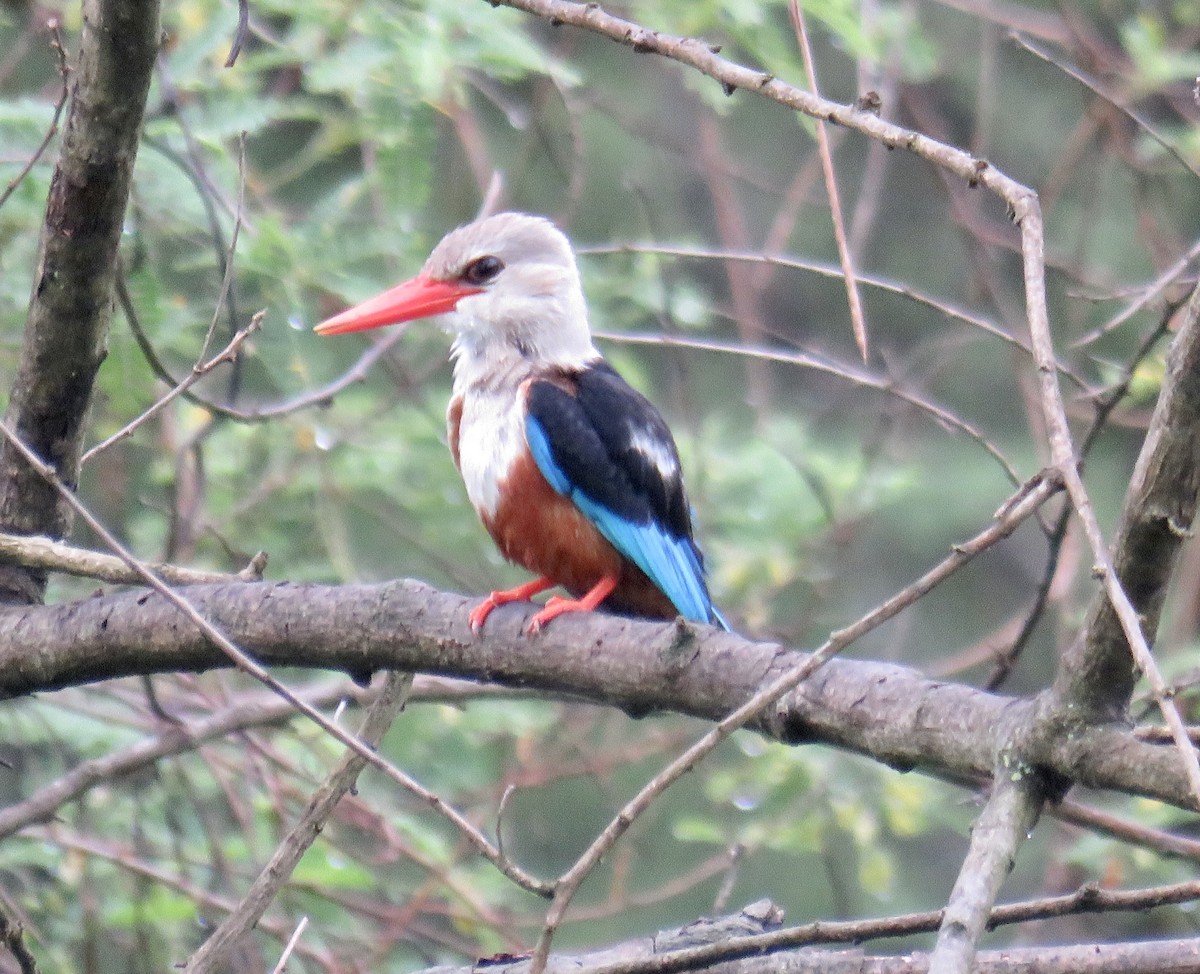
{"x": 858, "y": 318}
{"x": 12, "y": 938}
{"x": 681, "y": 885}
{"x": 214, "y": 954}
{"x": 769, "y": 259}
{"x": 1145, "y": 295}
{"x": 745, "y": 297}
{"x": 290, "y": 946}
{"x": 1053, "y": 27}
{"x": 192, "y": 163}
{"x": 877, "y": 85}
{"x": 820, "y": 364}
{"x": 239, "y": 38}
{"x": 256, "y": 414}
{"x": 227, "y": 354}
{"x": 64, "y": 70}
{"x": 1114, "y": 99}
{"x": 1134, "y": 833}
{"x": 1105, "y": 404}
{"x": 51, "y": 555}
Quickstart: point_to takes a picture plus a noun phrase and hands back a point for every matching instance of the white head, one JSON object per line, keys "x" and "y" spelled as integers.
{"x": 509, "y": 289}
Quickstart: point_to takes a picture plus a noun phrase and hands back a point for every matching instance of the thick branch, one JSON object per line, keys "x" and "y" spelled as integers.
{"x": 750, "y": 947}
{"x": 890, "y": 713}
{"x": 1153, "y": 957}
{"x": 1098, "y": 673}
{"x": 71, "y": 304}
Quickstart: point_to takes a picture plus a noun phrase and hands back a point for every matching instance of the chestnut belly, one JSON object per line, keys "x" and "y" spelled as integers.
{"x": 539, "y": 529}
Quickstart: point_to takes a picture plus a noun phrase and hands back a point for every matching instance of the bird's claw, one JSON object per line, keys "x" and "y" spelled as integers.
{"x": 480, "y": 613}
{"x": 555, "y": 606}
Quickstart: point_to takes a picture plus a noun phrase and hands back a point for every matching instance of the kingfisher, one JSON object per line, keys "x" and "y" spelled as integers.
{"x": 573, "y": 472}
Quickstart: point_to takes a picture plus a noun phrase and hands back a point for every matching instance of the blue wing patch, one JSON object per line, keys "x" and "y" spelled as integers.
{"x": 673, "y": 564}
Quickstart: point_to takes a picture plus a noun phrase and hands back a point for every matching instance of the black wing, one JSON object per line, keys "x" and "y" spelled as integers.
{"x": 603, "y": 444}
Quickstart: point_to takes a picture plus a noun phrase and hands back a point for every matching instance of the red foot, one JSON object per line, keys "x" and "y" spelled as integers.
{"x": 522, "y": 593}
{"x": 558, "y": 605}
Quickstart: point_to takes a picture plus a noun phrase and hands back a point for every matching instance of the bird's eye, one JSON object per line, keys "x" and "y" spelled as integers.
{"x": 482, "y": 270}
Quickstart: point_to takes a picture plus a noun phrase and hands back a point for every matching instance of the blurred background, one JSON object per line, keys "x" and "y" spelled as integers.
{"x": 345, "y": 140}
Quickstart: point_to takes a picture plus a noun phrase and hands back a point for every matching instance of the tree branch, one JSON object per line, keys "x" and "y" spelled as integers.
{"x": 1007, "y": 819}
{"x": 50, "y": 555}
{"x": 747, "y": 943}
{"x": 71, "y": 306}
{"x": 12, "y": 939}
{"x": 1098, "y": 673}
{"x": 887, "y": 712}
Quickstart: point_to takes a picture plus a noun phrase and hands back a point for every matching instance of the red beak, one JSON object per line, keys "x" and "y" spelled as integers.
{"x": 422, "y": 297}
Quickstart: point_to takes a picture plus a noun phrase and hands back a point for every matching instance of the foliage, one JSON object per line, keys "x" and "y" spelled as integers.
{"x": 346, "y": 139}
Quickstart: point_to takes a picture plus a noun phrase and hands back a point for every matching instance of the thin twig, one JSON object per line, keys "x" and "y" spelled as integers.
{"x": 193, "y": 167}
{"x": 12, "y": 938}
{"x": 227, "y": 354}
{"x": 49, "y": 554}
{"x": 300, "y": 927}
{"x": 770, "y": 259}
{"x": 1123, "y": 830}
{"x": 1098, "y": 89}
{"x": 820, "y": 364}
{"x": 64, "y": 69}
{"x": 858, "y": 319}
{"x": 1145, "y": 295}
{"x": 239, "y": 38}
{"x": 255, "y": 414}
{"x": 227, "y": 262}
{"x": 214, "y": 954}
{"x": 1105, "y": 404}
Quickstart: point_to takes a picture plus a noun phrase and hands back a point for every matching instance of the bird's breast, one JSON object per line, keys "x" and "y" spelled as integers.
{"x": 487, "y": 436}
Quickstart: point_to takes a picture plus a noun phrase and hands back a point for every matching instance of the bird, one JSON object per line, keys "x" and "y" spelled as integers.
{"x": 574, "y": 473}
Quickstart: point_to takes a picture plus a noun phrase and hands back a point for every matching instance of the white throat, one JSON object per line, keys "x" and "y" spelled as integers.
{"x": 491, "y": 354}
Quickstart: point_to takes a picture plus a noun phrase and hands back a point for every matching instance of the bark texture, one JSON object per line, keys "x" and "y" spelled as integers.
{"x": 893, "y": 714}
{"x": 71, "y": 305}
{"x": 1097, "y": 675}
